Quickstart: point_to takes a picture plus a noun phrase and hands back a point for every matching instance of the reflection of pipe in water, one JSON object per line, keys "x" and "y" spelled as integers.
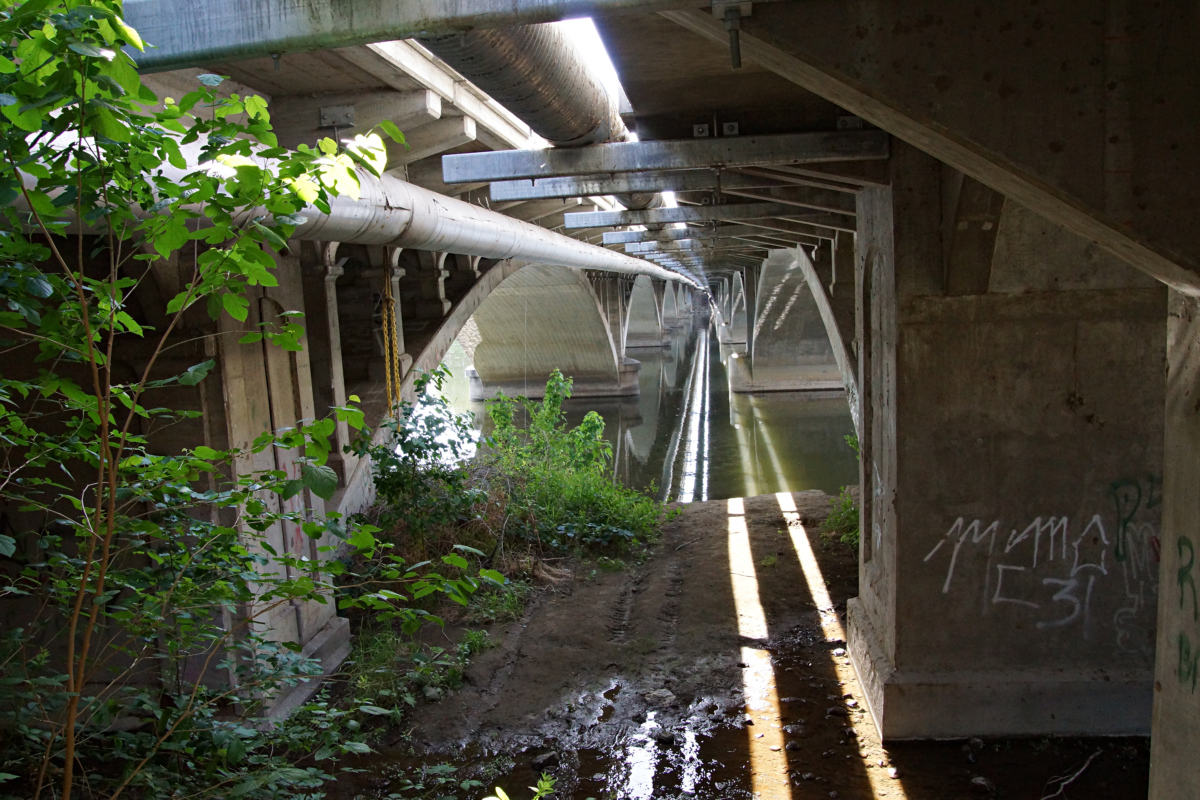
{"x": 695, "y": 452}
{"x": 668, "y": 480}
{"x": 707, "y": 420}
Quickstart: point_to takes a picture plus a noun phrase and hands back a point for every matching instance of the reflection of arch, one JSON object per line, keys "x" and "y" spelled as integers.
{"x": 645, "y": 326}
{"x": 544, "y": 318}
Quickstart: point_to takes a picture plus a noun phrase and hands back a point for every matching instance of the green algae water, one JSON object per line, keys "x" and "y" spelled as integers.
{"x": 687, "y": 437}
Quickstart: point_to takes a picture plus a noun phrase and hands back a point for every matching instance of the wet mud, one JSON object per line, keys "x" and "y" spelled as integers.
{"x": 716, "y": 669}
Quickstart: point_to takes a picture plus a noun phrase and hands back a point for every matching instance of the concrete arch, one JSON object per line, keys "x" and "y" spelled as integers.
{"x": 543, "y": 318}
{"x": 790, "y": 348}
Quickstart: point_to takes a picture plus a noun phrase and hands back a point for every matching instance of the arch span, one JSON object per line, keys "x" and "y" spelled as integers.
{"x": 543, "y": 318}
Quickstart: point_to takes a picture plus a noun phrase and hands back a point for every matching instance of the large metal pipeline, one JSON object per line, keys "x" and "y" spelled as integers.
{"x": 538, "y": 74}
{"x": 534, "y": 72}
{"x": 392, "y": 212}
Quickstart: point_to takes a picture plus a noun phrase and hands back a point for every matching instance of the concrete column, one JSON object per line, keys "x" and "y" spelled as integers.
{"x": 1175, "y": 735}
{"x": 1008, "y": 580}
{"x": 750, "y": 282}
{"x": 644, "y": 320}
{"x": 321, "y": 269}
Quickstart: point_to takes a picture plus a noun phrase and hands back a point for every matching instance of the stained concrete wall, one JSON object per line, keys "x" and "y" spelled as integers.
{"x": 1014, "y": 452}
{"x": 541, "y": 319}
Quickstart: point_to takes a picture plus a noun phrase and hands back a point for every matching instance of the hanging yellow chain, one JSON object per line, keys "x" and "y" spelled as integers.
{"x": 391, "y": 347}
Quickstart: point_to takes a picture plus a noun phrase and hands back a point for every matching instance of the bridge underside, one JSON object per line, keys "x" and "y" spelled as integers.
{"x": 1002, "y": 337}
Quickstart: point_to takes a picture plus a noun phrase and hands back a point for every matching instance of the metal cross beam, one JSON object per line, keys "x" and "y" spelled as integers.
{"x": 734, "y": 151}
{"x": 655, "y": 216}
{"x": 695, "y": 180}
{"x": 693, "y": 246}
{"x": 675, "y": 234}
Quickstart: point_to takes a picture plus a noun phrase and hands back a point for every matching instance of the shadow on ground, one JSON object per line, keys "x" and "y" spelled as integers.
{"x": 714, "y": 670}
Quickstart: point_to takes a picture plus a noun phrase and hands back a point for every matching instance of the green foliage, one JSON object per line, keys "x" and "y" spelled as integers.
{"x": 842, "y": 523}
{"x": 420, "y": 473}
{"x": 500, "y": 603}
{"x": 852, "y": 443}
{"x": 769, "y": 561}
{"x": 144, "y": 575}
{"x": 558, "y": 479}
{"x": 544, "y": 788}
{"x": 390, "y": 671}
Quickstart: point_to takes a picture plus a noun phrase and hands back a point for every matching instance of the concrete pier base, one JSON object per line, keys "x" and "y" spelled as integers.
{"x": 960, "y": 703}
{"x": 743, "y": 378}
{"x": 626, "y": 384}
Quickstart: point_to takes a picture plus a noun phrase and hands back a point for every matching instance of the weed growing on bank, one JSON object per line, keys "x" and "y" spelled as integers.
{"x": 545, "y": 489}
{"x": 842, "y": 523}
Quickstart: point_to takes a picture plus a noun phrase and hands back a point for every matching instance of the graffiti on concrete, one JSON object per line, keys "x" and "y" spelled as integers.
{"x": 1053, "y": 568}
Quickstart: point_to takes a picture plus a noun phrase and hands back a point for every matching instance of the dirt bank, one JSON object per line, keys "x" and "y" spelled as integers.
{"x": 709, "y": 671}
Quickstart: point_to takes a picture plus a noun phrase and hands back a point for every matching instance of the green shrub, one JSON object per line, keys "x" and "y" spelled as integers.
{"x": 558, "y": 478}
{"x": 500, "y": 603}
{"x": 843, "y": 523}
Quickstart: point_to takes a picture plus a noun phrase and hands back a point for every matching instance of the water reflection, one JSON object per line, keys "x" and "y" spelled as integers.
{"x": 686, "y": 435}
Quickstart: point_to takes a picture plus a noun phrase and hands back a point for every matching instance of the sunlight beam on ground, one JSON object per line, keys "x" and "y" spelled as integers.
{"x": 768, "y": 761}
{"x": 830, "y": 624}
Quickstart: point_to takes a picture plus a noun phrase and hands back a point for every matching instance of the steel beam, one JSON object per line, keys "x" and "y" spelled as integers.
{"x": 692, "y": 246}
{"x": 187, "y": 34}
{"x": 738, "y": 211}
{"x": 536, "y": 210}
{"x": 431, "y": 139}
{"x": 789, "y": 227}
{"x": 675, "y": 234}
{"x": 696, "y": 180}
{"x": 724, "y": 152}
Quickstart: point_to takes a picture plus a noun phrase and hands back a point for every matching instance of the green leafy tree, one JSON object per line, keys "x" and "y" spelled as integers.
{"x": 141, "y": 573}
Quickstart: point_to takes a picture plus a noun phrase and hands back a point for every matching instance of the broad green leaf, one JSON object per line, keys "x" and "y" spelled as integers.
{"x": 374, "y": 711}
{"x": 321, "y": 480}
{"x": 393, "y": 132}
{"x": 91, "y": 50}
{"x": 8, "y": 546}
{"x": 208, "y": 79}
{"x": 236, "y": 306}
{"x": 193, "y": 375}
{"x": 205, "y": 452}
{"x": 291, "y": 489}
{"x": 456, "y": 561}
{"x": 108, "y": 126}
{"x": 128, "y": 33}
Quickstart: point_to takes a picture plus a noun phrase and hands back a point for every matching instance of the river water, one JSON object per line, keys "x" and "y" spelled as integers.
{"x": 687, "y": 437}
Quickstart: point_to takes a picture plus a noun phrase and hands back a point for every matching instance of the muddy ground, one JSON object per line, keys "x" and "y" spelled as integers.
{"x": 646, "y": 683}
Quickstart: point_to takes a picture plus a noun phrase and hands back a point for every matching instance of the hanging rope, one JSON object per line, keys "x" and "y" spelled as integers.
{"x": 391, "y": 347}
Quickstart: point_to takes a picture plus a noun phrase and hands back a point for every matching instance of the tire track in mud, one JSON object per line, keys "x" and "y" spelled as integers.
{"x": 619, "y": 617}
